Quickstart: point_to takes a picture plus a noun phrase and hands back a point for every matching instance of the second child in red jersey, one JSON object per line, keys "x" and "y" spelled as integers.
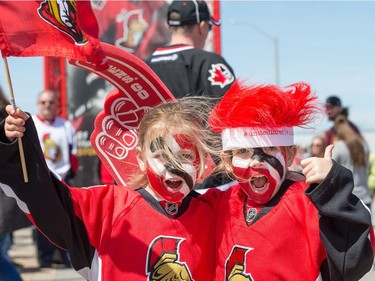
{"x": 274, "y": 225}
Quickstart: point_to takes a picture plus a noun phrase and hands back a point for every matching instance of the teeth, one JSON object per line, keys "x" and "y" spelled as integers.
{"x": 173, "y": 183}
{"x": 173, "y": 180}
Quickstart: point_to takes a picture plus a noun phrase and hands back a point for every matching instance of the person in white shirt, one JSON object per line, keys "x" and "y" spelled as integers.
{"x": 58, "y": 141}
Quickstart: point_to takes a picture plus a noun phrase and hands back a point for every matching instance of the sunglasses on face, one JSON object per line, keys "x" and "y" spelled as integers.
{"x": 330, "y": 106}
{"x": 317, "y": 145}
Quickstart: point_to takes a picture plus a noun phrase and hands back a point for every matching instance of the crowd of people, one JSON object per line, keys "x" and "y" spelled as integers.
{"x": 351, "y": 149}
{"x": 272, "y": 202}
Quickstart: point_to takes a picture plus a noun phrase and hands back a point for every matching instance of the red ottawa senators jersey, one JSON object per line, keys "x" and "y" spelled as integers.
{"x": 186, "y": 70}
{"x": 322, "y": 233}
{"x": 111, "y": 232}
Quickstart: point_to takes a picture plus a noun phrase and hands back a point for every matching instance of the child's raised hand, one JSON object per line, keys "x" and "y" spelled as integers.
{"x": 15, "y": 123}
{"x": 316, "y": 169}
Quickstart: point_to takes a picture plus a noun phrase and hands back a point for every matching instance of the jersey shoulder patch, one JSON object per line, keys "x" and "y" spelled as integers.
{"x": 220, "y": 75}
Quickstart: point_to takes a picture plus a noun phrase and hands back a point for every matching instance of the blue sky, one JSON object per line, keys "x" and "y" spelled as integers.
{"x": 329, "y": 44}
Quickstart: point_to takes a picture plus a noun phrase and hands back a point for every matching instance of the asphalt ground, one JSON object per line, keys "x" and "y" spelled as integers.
{"x": 23, "y": 252}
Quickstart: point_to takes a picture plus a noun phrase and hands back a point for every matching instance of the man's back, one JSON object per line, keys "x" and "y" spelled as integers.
{"x": 183, "y": 65}
{"x": 191, "y": 71}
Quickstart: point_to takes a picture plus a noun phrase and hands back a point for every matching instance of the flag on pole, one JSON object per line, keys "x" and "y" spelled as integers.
{"x": 65, "y": 28}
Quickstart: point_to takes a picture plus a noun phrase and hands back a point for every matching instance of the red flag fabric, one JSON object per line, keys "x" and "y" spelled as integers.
{"x": 51, "y": 28}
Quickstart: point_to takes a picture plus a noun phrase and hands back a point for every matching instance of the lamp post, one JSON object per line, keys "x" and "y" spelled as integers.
{"x": 274, "y": 40}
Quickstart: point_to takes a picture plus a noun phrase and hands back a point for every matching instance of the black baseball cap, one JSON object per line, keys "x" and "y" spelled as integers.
{"x": 333, "y": 101}
{"x": 191, "y": 12}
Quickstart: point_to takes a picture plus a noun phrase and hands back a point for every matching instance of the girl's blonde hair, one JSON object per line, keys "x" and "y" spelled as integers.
{"x": 187, "y": 116}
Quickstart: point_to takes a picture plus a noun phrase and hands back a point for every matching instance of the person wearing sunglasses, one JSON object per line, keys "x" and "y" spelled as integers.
{"x": 58, "y": 140}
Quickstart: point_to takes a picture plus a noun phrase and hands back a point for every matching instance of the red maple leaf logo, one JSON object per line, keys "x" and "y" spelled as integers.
{"x": 220, "y": 75}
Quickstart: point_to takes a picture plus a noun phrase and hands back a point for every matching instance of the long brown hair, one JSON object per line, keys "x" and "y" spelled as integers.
{"x": 355, "y": 142}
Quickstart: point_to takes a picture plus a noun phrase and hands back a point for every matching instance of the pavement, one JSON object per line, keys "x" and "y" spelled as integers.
{"x": 23, "y": 252}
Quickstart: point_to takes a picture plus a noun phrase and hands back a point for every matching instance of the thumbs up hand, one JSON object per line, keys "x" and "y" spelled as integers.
{"x": 316, "y": 169}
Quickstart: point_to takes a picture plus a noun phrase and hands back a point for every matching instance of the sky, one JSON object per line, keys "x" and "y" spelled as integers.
{"x": 328, "y": 44}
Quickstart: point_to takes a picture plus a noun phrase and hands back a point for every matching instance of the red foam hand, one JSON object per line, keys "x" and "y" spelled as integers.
{"x": 137, "y": 90}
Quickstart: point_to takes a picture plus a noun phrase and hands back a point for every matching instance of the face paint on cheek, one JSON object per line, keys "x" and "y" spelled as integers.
{"x": 180, "y": 143}
{"x": 156, "y": 173}
{"x": 164, "y": 186}
{"x": 259, "y": 196}
{"x": 240, "y": 167}
{"x": 278, "y": 167}
{"x": 274, "y": 161}
{"x": 158, "y": 185}
{"x": 167, "y": 180}
{"x": 260, "y": 183}
{"x": 184, "y": 174}
{"x": 184, "y": 143}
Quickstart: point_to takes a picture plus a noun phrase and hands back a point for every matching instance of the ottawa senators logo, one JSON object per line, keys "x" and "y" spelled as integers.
{"x": 163, "y": 261}
{"x": 134, "y": 27}
{"x": 51, "y": 150}
{"x": 61, "y": 14}
{"x": 220, "y": 75}
{"x": 235, "y": 265}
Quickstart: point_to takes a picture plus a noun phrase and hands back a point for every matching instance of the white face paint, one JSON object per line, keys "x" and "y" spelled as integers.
{"x": 241, "y": 163}
{"x": 170, "y": 182}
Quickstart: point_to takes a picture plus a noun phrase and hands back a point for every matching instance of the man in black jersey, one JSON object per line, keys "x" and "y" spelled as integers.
{"x": 183, "y": 65}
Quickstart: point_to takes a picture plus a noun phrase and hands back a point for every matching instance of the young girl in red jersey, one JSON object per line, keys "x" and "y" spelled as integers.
{"x": 159, "y": 231}
{"x": 273, "y": 225}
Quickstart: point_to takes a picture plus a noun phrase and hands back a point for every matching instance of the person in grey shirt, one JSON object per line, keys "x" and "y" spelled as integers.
{"x": 351, "y": 151}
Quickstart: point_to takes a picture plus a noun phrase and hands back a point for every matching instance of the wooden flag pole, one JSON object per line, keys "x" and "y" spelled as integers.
{"x": 13, "y": 103}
